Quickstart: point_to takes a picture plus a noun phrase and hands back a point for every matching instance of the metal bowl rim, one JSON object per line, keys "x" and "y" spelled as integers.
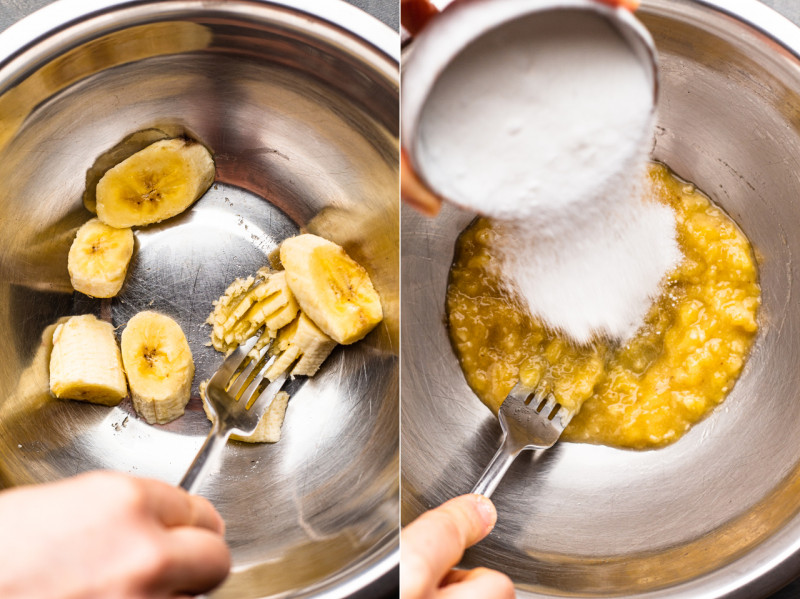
{"x": 57, "y": 17}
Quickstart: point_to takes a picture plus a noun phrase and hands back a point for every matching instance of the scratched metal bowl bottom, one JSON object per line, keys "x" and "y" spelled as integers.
{"x": 301, "y": 116}
{"x": 717, "y": 514}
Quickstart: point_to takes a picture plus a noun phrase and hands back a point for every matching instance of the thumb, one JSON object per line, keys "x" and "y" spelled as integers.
{"x": 435, "y": 541}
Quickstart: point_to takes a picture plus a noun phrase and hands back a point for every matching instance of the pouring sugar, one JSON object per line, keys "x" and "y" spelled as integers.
{"x": 543, "y": 124}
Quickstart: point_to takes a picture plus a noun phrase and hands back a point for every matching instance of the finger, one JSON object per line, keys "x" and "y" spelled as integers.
{"x": 197, "y": 561}
{"x": 435, "y": 541}
{"x": 175, "y": 507}
{"x": 414, "y": 192}
{"x": 414, "y": 14}
{"x": 631, "y": 5}
{"x": 480, "y": 582}
{"x": 454, "y": 576}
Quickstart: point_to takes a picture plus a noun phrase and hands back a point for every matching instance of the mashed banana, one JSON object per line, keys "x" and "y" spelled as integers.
{"x": 681, "y": 364}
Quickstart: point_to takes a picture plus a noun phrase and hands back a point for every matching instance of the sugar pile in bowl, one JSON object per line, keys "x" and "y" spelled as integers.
{"x": 543, "y": 124}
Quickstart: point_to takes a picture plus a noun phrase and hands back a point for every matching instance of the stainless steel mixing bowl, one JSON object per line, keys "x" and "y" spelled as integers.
{"x": 717, "y": 514}
{"x": 298, "y": 100}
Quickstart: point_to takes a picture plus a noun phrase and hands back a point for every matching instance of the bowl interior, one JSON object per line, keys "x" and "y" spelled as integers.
{"x": 716, "y": 513}
{"x": 301, "y": 115}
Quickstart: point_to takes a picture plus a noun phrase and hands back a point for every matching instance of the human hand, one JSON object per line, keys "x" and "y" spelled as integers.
{"x": 108, "y": 535}
{"x": 415, "y": 13}
{"x": 414, "y": 192}
{"x": 434, "y": 543}
{"x": 631, "y": 5}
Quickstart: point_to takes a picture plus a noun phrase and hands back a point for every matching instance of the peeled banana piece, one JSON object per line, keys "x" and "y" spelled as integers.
{"x": 299, "y": 348}
{"x": 331, "y": 288}
{"x": 124, "y": 149}
{"x": 159, "y": 365}
{"x": 85, "y": 362}
{"x": 269, "y": 427}
{"x": 248, "y": 305}
{"x": 98, "y": 259}
{"x": 154, "y": 184}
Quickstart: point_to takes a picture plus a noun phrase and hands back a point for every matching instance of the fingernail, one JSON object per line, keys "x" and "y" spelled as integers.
{"x": 486, "y": 510}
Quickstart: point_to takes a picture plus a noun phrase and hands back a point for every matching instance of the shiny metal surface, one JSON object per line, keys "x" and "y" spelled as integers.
{"x": 461, "y": 24}
{"x": 716, "y": 514}
{"x": 230, "y": 411}
{"x": 298, "y": 101}
{"x": 529, "y": 420}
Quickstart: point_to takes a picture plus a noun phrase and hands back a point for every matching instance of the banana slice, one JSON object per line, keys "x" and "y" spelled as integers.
{"x": 300, "y": 346}
{"x": 98, "y": 259}
{"x": 154, "y": 184}
{"x": 269, "y": 427}
{"x": 331, "y": 288}
{"x": 247, "y": 306}
{"x": 159, "y": 364}
{"x": 124, "y": 149}
{"x": 85, "y": 363}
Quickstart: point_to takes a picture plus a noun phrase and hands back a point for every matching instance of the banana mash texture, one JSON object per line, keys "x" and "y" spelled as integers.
{"x": 680, "y": 365}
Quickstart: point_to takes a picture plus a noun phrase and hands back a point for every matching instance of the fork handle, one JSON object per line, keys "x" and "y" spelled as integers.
{"x": 494, "y": 472}
{"x": 208, "y": 455}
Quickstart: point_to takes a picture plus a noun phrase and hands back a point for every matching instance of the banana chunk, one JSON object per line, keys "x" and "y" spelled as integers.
{"x": 98, "y": 259}
{"x": 85, "y": 363}
{"x": 154, "y": 184}
{"x": 331, "y": 288}
{"x": 159, "y": 364}
{"x": 300, "y": 348}
{"x": 124, "y": 149}
{"x": 269, "y": 427}
{"x": 248, "y": 305}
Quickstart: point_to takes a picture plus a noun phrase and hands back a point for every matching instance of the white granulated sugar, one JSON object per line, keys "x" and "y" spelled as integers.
{"x": 598, "y": 278}
{"x": 543, "y": 124}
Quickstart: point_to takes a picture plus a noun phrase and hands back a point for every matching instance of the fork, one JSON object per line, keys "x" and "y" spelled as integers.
{"x": 529, "y": 421}
{"x": 237, "y": 400}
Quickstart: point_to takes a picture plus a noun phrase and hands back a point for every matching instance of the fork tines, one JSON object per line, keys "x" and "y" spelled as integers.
{"x": 251, "y": 373}
{"x": 548, "y": 407}
{"x": 543, "y": 404}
